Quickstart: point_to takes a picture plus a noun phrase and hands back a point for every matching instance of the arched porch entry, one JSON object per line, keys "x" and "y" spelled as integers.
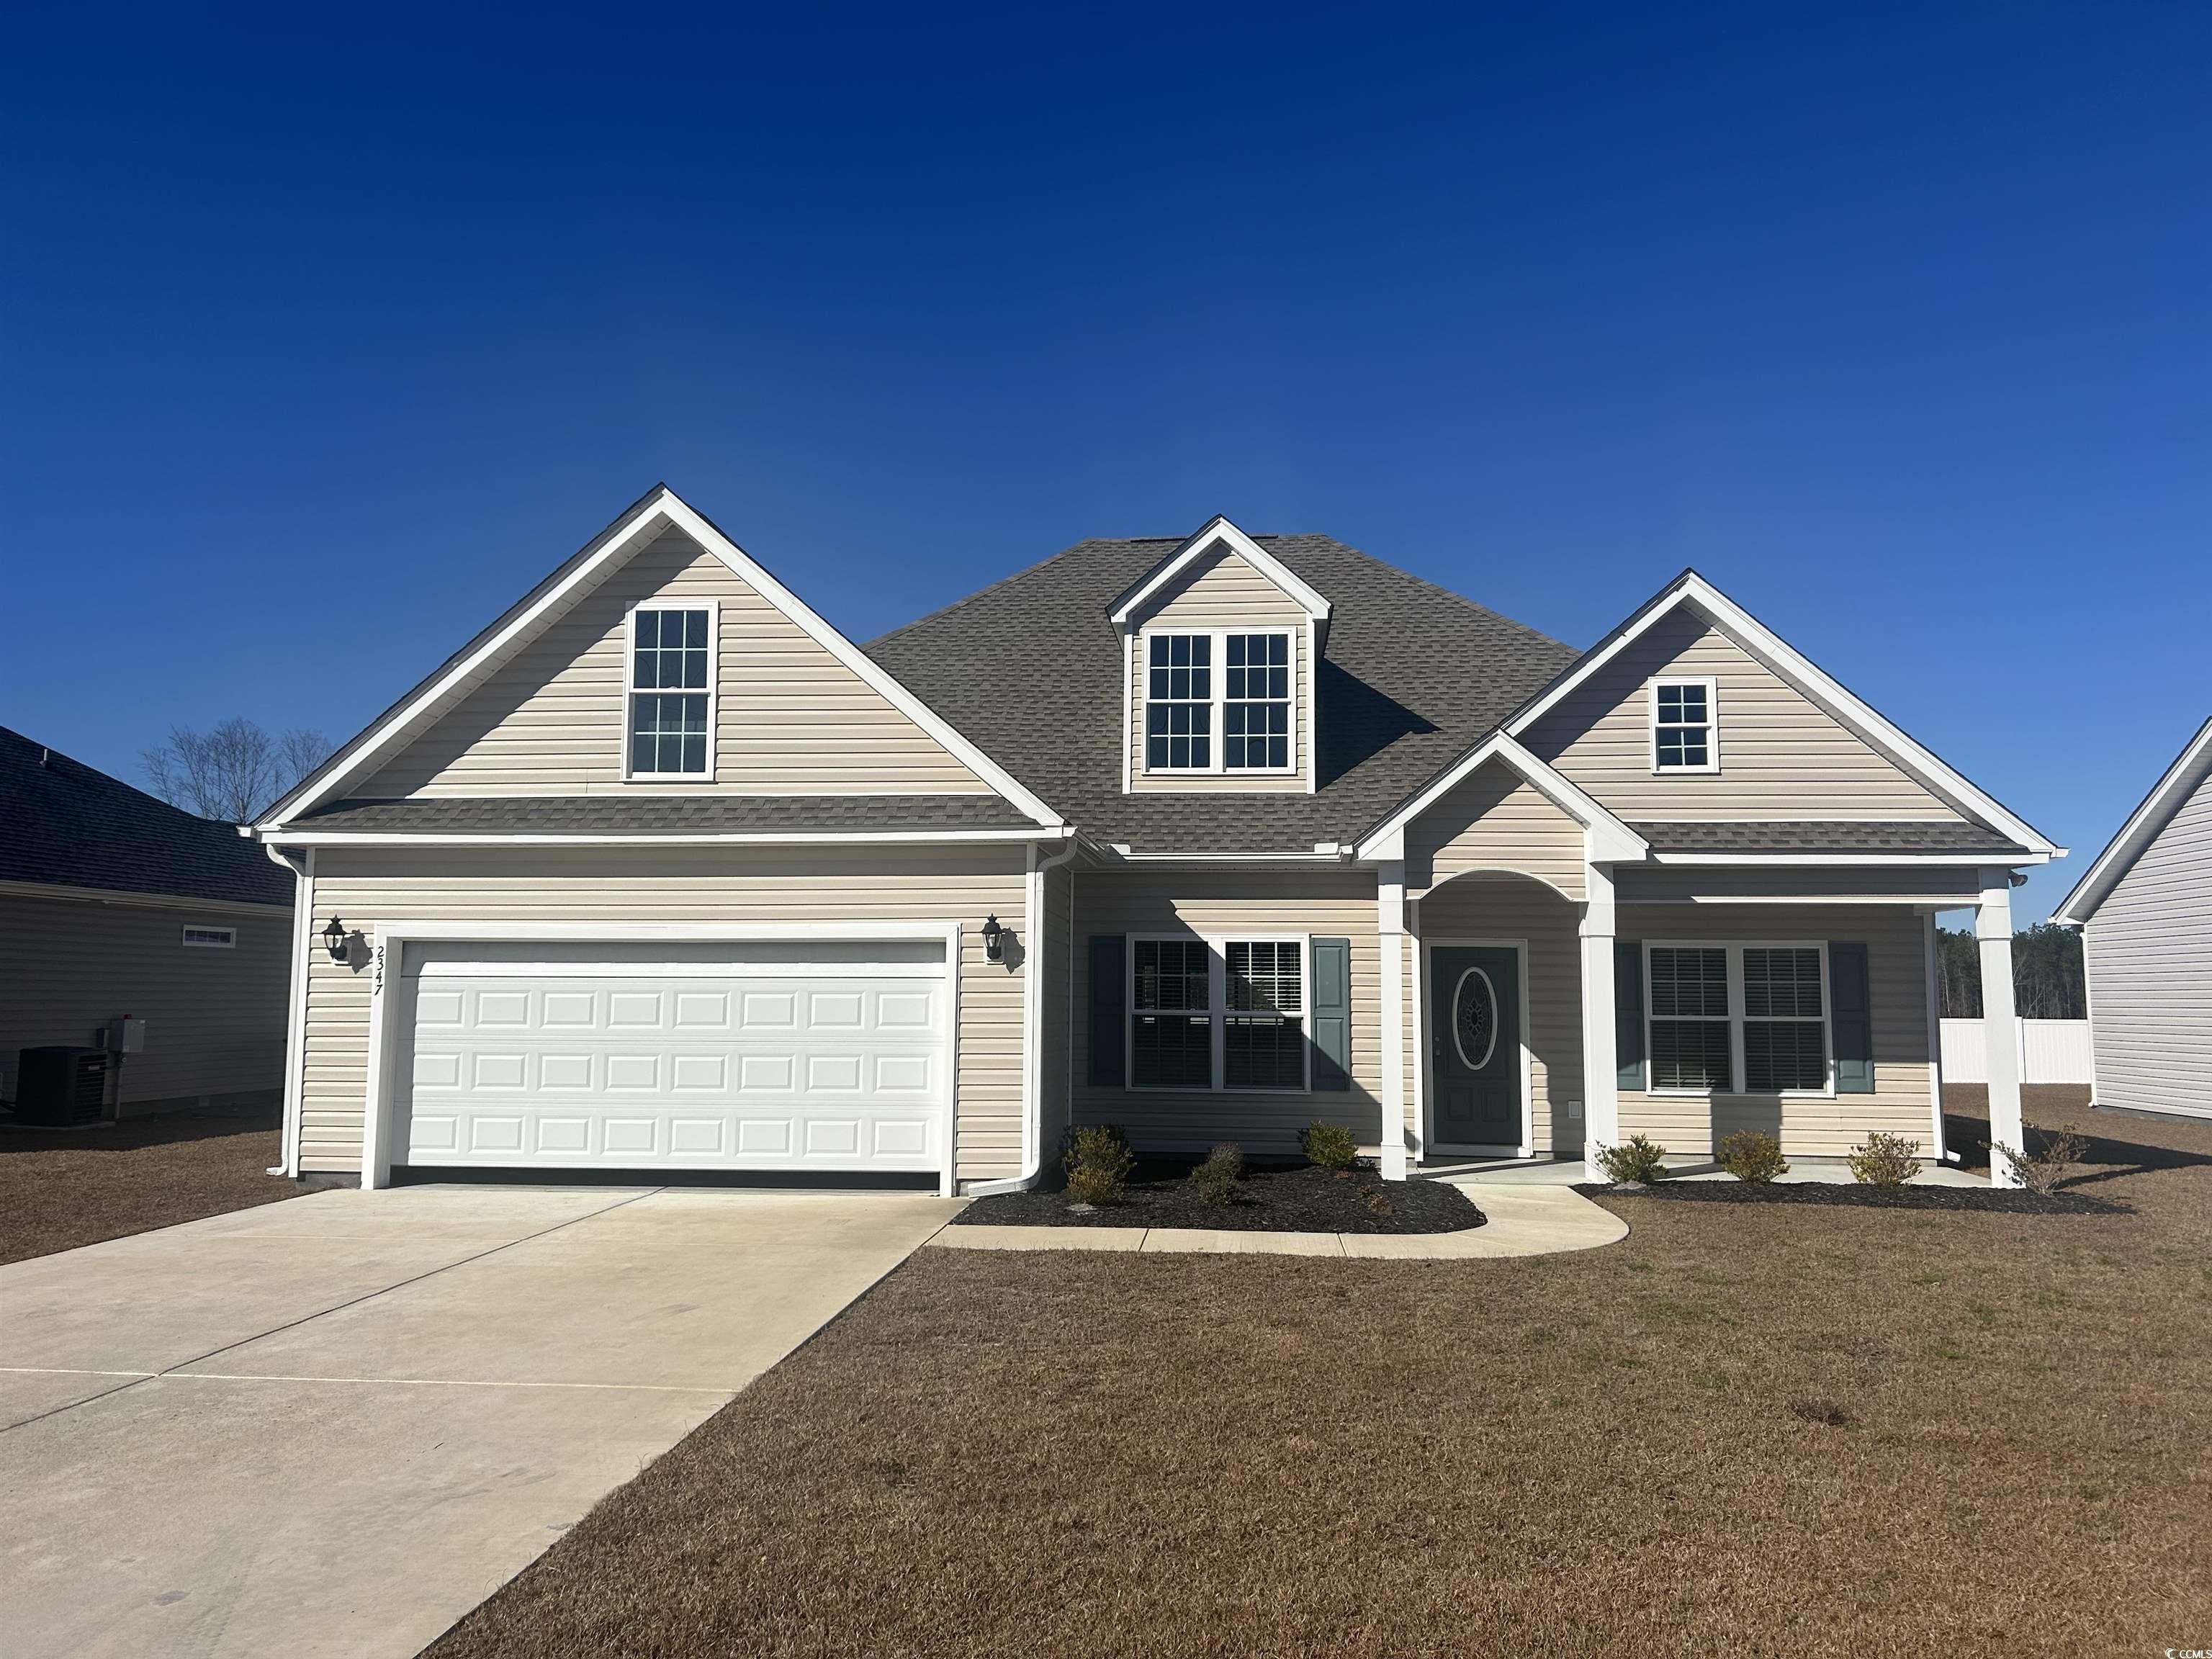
{"x": 1495, "y": 1012}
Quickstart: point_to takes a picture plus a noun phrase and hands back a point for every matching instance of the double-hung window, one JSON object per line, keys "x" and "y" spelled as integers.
{"x": 1219, "y": 701}
{"x": 1179, "y": 702}
{"x": 1685, "y": 737}
{"x": 1218, "y": 1014}
{"x": 1256, "y": 723}
{"x": 1690, "y": 1045}
{"x": 1171, "y": 1014}
{"x": 1264, "y": 1041}
{"x": 1785, "y": 1041}
{"x": 669, "y": 731}
{"x": 1738, "y": 1019}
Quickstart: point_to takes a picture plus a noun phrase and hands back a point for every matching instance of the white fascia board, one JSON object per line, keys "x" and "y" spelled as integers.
{"x": 1691, "y": 587}
{"x": 2142, "y": 828}
{"x": 1968, "y": 860}
{"x": 661, "y": 508}
{"x": 1610, "y": 840}
{"x": 737, "y": 838}
{"x": 1219, "y": 528}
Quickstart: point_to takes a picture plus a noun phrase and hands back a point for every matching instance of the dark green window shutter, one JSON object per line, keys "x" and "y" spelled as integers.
{"x": 1331, "y": 1015}
{"x": 1110, "y": 984}
{"x": 1851, "y": 1018}
{"x": 1628, "y": 1012}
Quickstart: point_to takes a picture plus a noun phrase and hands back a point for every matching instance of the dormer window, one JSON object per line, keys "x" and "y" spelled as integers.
{"x": 1255, "y": 725}
{"x": 1685, "y": 737}
{"x": 670, "y": 693}
{"x": 1247, "y": 699}
{"x": 1179, "y": 703}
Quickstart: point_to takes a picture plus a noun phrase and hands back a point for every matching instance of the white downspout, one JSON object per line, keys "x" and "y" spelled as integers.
{"x": 1032, "y": 1029}
{"x": 295, "y": 1018}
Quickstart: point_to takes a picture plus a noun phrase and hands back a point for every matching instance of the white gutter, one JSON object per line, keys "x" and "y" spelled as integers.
{"x": 748, "y": 838}
{"x": 1033, "y": 959}
{"x": 295, "y": 1019}
{"x": 1326, "y": 853}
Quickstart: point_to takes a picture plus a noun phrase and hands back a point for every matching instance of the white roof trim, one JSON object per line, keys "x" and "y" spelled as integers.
{"x": 660, "y": 510}
{"x": 310, "y": 837}
{"x": 2143, "y": 828}
{"x": 1968, "y": 860}
{"x": 1611, "y": 841}
{"x": 1694, "y": 589}
{"x": 1219, "y": 528}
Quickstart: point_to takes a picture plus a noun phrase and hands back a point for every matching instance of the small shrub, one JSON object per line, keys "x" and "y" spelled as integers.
{"x": 1098, "y": 1164}
{"x": 1217, "y": 1179}
{"x": 2041, "y": 1172}
{"x": 1882, "y": 1160}
{"x": 1330, "y": 1145}
{"x": 1638, "y": 1158}
{"x": 1751, "y": 1157}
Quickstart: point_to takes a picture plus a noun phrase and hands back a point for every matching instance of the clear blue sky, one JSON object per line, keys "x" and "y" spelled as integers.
{"x": 327, "y": 330}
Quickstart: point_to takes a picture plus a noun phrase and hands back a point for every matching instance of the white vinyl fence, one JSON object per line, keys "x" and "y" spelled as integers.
{"x": 2051, "y": 1051}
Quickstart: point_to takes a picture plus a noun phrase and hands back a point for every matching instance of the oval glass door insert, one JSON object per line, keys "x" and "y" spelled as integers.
{"x": 1474, "y": 1018}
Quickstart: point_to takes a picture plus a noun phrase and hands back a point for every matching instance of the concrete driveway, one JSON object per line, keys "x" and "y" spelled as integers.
{"x": 336, "y": 1424}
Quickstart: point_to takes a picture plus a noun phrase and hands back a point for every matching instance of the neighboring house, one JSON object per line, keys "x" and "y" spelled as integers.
{"x": 660, "y": 872}
{"x": 114, "y": 904}
{"x": 2145, "y": 911}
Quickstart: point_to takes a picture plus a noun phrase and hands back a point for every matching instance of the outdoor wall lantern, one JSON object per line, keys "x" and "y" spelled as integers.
{"x": 994, "y": 939}
{"x": 334, "y": 940}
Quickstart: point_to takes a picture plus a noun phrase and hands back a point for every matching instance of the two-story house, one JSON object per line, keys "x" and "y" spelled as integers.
{"x": 1210, "y": 838}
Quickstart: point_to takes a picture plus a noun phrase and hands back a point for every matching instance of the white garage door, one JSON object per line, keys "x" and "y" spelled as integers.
{"x": 751, "y": 1056}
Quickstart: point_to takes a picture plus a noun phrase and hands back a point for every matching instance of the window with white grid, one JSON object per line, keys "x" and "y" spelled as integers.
{"x": 1256, "y": 716}
{"x": 1684, "y": 738}
{"x": 670, "y": 692}
{"x": 1179, "y": 702}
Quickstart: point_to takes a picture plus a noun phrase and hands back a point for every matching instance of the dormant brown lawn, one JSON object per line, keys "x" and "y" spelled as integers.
{"x": 1743, "y": 1429}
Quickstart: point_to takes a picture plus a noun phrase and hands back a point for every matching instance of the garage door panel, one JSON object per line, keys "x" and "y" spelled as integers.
{"x": 785, "y": 1064}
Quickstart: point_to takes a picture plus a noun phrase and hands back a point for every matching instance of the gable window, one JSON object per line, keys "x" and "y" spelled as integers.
{"x": 214, "y": 939}
{"x": 1255, "y": 725}
{"x": 1179, "y": 703}
{"x": 1719, "y": 1013}
{"x": 1223, "y": 1013}
{"x": 1217, "y": 700}
{"x": 670, "y": 692}
{"x": 1171, "y": 1014}
{"x": 1683, "y": 736}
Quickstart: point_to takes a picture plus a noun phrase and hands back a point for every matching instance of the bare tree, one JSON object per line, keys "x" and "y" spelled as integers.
{"x": 231, "y": 771}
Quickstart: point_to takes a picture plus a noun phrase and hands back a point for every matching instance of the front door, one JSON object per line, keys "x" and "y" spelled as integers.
{"x": 1474, "y": 1045}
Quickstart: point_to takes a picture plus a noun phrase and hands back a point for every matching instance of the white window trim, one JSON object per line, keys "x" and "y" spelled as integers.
{"x": 228, "y": 942}
{"x": 1140, "y": 747}
{"x": 1216, "y": 963}
{"x": 1735, "y": 949}
{"x": 630, "y": 688}
{"x": 1712, "y": 722}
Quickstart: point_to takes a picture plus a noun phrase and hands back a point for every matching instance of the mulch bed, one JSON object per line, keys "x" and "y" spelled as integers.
{"x": 2002, "y": 1200}
{"x": 1286, "y": 1199}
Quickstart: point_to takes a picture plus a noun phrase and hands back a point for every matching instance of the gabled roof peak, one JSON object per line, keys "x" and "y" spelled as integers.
{"x": 1217, "y": 530}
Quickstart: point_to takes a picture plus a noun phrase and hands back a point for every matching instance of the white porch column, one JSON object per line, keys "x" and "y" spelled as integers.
{"x": 1993, "y": 932}
{"x": 1600, "y": 1064}
{"x": 1390, "y": 928}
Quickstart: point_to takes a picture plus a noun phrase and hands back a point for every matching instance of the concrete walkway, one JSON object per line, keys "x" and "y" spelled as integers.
{"x": 333, "y": 1426}
{"x": 1525, "y": 1218}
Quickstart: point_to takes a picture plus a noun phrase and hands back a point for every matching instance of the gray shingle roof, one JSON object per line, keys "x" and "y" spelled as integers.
{"x": 1031, "y": 670}
{"x": 1902, "y": 836}
{"x": 63, "y": 825}
{"x": 666, "y": 815}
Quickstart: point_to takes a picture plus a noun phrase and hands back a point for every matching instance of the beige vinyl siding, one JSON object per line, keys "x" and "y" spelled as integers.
{"x": 1684, "y": 884}
{"x": 2149, "y": 947}
{"x": 1324, "y": 903}
{"x": 645, "y": 884}
{"x": 1690, "y": 1126}
{"x": 1781, "y": 755}
{"x": 790, "y": 719}
{"x": 1222, "y": 590}
{"x": 1509, "y": 908}
{"x": 1496, "y": 820}
{"x": 214, "y": 1017}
